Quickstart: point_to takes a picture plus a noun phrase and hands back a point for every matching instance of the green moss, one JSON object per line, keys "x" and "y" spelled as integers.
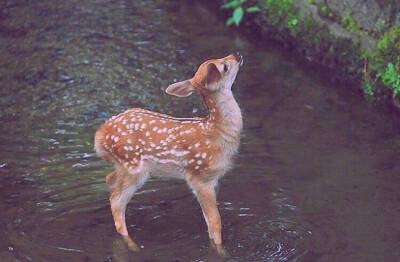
{"x": 310, "y": 25}
{"x": 350, "y": 24}
{"x": 378, "y": 69}
{"x": 281, "y": 13}
{"x": 324, "y": 11}
{"x": 277, "y": 10}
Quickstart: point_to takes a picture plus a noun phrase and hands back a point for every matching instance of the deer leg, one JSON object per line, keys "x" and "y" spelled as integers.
{"x": 126, "y": 184}
{"x": 206, "y": 196}
{"x": 111, "y": 179}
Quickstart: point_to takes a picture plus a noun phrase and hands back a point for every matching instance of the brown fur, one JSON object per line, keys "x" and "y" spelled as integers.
{"x": 140, "y": 143}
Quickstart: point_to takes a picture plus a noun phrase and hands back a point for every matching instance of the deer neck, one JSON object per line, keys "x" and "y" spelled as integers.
{"x": 224, "y": 114}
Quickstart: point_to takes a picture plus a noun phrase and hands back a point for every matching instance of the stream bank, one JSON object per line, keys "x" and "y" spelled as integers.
{"x": 357, "y": 41}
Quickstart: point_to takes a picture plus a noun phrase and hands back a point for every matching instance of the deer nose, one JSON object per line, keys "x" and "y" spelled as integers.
{"x": 238, "y": 57}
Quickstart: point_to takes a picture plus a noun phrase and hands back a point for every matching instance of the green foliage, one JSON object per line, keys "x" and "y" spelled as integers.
{"x": 350, "y": 24}
{"x": 237, "y": 15}
{"x": 238, "y": 11}
{"x": 390, "y": 39}
{"x": 384, "y": 63}
{"x": 391, "y": 78}
{"x": 324, "y": 9}
{"x": 292, "y": 22}
{"x": 368, "y": 88}
{"x": 325, "y": 12}
{"x": 381, "y": 66}
{"x": 282, "y": 6}
{"x": 253, "y": 9}
{"x": 278, "y": 9}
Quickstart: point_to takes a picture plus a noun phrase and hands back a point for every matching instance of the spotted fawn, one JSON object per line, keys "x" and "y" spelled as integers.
{"x": 143, "y": 144}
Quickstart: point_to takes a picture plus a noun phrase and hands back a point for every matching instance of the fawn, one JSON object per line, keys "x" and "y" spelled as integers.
{"x": 141, "y": 143}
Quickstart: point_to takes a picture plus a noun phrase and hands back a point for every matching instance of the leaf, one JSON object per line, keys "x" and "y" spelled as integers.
{"x": 293, "y": 22}
{"x": 237, "y": 15}
{"x": 229, "y": 21}
{"x": 232, "y": 4}
{"x": 253, "y": 9}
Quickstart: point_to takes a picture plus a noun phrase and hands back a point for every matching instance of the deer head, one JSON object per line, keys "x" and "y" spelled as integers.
{"x": 212, "y": 76}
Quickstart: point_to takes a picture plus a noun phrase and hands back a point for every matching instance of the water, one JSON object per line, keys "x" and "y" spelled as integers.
{"x": 316, "y": 178}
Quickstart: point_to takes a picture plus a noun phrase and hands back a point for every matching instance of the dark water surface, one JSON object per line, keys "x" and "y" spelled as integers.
{"x": 317, "y": 177}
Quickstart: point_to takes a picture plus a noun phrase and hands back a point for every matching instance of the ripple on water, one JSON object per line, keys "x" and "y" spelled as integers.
{"x": 271, "y": 240}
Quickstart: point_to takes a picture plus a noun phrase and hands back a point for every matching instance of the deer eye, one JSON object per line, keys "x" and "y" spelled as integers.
{"x": 225, "y": 68}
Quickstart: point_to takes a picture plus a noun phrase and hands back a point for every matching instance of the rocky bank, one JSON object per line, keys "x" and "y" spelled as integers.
{"x": 358, "y": 39}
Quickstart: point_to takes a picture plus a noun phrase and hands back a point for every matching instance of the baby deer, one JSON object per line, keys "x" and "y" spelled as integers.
{"x": 141, "y": 143}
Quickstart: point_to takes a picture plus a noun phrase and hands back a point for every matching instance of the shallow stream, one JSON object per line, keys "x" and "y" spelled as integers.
{"x": 317, "y": 176}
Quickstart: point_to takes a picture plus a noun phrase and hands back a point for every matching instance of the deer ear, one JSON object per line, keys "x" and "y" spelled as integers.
{"x": 180, "y": 89}
{"x": 213, "y": 74}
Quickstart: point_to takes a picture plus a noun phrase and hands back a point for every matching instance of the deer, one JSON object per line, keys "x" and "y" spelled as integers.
{"x": 141, "y": 144}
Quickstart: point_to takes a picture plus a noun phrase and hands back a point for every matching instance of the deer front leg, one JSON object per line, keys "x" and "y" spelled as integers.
{"x": 111, "y": 179}
{"x": 206, "y": 196}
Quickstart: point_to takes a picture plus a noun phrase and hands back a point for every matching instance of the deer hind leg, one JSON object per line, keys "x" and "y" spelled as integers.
{"x": 125, "y": 185}
{"x": 205, "y": 193}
